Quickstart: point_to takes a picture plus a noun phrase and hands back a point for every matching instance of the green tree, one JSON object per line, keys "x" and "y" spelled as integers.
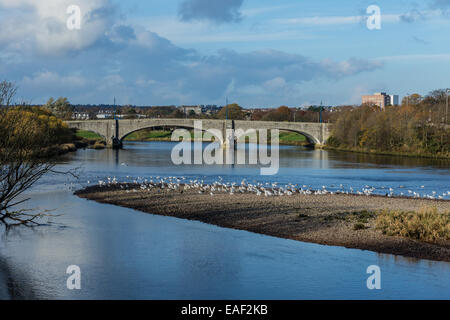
{"x": 60, "y": 108}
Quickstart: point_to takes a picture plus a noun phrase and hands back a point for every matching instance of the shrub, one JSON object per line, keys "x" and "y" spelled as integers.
{"x": 427, "y": 224}
{"x": 359, "y": 226}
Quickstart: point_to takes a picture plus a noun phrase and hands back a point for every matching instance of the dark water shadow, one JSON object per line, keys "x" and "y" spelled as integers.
{"x": 11, "y": 288}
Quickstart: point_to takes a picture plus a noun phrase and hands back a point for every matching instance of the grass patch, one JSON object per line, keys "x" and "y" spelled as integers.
{"x": 154, "y": 135}
{"x": 360, "y": 216}
{"x": 291, "y": 137}
{"x": 144, "y": 135}
{"x": 88, "y": 135}
{"x": 364, "y": 216}
{"x": 359, "y": 226}
{"x": 427, "y": 224}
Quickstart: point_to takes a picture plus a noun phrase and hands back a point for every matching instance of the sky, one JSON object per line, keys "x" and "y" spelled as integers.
{"x": 258, "y": 53}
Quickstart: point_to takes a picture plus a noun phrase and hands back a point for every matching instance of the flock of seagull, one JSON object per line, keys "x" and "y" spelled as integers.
{"x": 267, "y": 189}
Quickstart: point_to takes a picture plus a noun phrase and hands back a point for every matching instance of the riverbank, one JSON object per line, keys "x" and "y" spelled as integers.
{"x": 80, "y": 140}
{"x": 90, "y": 140}
{"x": 329, "y": 219}
{"x": 75, "y": 145}
{"x": 387, "y": 153}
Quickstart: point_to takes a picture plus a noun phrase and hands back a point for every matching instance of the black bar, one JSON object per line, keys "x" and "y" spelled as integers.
{"x": 228, "y": 309}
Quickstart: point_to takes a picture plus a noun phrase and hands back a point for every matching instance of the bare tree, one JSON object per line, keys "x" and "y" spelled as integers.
{"x": 7, "y": 92}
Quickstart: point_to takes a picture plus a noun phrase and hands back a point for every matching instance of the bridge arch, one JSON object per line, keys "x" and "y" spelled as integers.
{"x": 184, "y": 126}
{"x": 309, "y": 137}
{"x": 314, "y": 132}
{"x": 104, "y": 128}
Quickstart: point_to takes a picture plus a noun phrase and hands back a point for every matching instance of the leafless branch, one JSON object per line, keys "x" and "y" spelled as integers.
{"x": 7, "y": 92}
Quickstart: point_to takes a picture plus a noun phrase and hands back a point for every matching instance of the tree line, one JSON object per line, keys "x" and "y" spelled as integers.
{"x": 418, "y": 126}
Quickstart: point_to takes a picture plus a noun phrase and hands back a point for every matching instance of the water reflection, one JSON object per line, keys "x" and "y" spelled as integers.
{"x": 290, "y": 155}
{"x": 386, "y": 160}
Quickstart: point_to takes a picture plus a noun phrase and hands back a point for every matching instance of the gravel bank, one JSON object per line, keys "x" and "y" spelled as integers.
{"x": 324, "y": 219}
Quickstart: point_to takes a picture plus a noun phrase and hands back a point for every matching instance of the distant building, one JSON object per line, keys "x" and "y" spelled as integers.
{"x": 380, "y": 99}
{"x": 210, "y": 109}
{"x": 104, "y": 116}
{"x": 394, "y": 100}
{"x": 80, "y": 116}
{"x": 188, "y": 109}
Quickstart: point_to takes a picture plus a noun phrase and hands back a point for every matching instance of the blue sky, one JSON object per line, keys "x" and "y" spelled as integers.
{"x": 259, "y": 53}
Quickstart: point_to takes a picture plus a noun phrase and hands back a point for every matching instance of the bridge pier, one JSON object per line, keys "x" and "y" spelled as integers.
{"x": 116, "y": 143}
{"x": 228, "y": 135}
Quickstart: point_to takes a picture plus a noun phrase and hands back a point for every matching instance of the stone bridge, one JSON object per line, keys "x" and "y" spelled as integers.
{"x": 114, "y": 131}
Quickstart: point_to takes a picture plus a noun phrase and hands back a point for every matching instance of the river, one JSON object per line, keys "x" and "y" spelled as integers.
{"x": 125, "y": 254}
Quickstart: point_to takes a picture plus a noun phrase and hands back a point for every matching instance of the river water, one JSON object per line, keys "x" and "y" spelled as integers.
{"x": 125, "y": 254}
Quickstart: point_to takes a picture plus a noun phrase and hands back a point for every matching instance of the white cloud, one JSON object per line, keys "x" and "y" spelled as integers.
{"x": 53, "y": 80}
{"x": 275, "y": 83}
{"x": 44, "y": 24}
{"x": 350, "y": 67}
